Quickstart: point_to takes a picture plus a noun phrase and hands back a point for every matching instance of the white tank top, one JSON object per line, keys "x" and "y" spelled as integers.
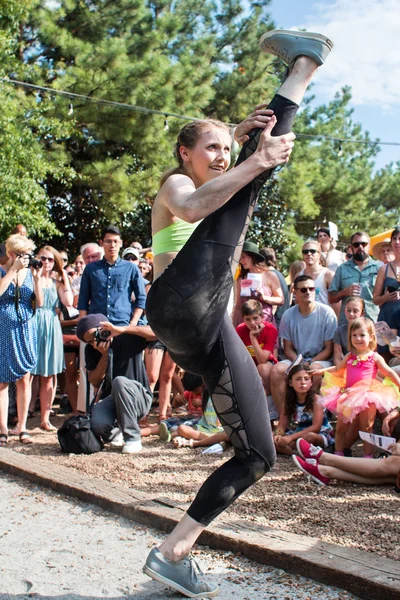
{"x": 321, "y": 293}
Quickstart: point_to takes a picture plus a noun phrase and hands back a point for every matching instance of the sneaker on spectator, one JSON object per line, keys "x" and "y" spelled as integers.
{"x": 163, "y": 432}
{"x": 310, "y": 467}
{"x": 307, "y": 450}
{"x": 118, "y": 440}
{"x": 132, "y": 447}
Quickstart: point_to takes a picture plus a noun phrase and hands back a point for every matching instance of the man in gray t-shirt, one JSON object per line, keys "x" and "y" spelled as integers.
{"x": 306, "y": 329}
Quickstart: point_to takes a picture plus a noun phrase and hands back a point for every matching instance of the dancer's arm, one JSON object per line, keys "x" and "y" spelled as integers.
{"x": 386, "y": 370}
{"x": 341, "y": 365}
{"x": 191, "y": 204}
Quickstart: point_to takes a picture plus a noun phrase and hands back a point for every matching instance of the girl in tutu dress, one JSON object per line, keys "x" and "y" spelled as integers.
{"x": 357, "y": 393}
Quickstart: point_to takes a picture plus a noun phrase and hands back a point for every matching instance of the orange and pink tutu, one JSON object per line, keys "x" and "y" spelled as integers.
{"x": 348, "y": 401}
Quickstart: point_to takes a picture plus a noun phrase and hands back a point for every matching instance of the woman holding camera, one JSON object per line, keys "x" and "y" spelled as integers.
{"x": 50, "y": 361}
{"x": 20, "y": 292}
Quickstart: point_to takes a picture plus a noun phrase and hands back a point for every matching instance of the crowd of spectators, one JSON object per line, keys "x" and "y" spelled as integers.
{"x": 79, "y": 325}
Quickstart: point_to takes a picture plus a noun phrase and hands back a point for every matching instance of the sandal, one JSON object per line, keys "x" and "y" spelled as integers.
{"x": 181, "y": 442}
{"x": 25, "y": 438}
{"x": 3, "y": 440}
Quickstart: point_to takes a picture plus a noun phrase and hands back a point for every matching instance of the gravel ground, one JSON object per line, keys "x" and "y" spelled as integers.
{"x": 367, "y": 518}
{"x": 57, "y": 547}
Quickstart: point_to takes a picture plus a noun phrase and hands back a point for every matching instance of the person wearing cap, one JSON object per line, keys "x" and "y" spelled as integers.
{"x": 387, "y": 287}
{"x": 333, "y": 258}
{"x": 115, "y": 363}
{"x": 108, "y": 284}
{"x": 131, "y": 254}
{"x": 266, "y": 288}
{"x": 383, "y": 251}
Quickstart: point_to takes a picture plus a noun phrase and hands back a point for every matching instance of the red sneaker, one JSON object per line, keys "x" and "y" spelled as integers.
{"x": 307, "y": 450}
{"x": 310, "y": 467}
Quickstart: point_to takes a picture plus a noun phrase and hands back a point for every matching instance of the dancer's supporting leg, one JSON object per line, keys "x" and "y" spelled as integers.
{"x": 193, "y": 324}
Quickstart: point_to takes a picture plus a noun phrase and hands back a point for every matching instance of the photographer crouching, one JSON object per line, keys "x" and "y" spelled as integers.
{"x": 113, "y": 357}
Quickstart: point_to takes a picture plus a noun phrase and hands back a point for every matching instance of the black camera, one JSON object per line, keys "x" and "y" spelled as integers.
{"x": 101, "y": 335}
{"x": 33, "y": 262}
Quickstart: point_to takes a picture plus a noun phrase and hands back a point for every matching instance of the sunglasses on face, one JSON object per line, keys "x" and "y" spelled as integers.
{"x": 44, "y": 258}
{"x": 304, "y": 290}
{"x": 358, "y": 244}
{"x": 309, "y": 251}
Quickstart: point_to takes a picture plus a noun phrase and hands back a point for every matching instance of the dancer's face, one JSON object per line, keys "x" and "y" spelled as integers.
{"x": 360, "y": 339}
{"x": 301, "y": 382}
{"x": 210, "y": 157}
{"x": 353, "y": 310}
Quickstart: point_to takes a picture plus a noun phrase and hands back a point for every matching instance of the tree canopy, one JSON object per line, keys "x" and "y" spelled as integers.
{"x": 67, "y": 167}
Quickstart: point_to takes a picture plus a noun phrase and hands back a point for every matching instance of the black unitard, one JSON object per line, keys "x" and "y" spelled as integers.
{"x": 187, "y": 310}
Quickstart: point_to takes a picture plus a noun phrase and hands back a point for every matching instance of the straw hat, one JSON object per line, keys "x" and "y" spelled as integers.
{"x": 377, "y": 247}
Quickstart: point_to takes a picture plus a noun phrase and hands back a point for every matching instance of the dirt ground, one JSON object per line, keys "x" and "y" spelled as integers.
{"x": 367, "y": 518}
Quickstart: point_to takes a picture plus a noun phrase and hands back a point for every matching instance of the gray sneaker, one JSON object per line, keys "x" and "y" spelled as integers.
{"x": 288, "y": 45}
{"x": 182, "y": 576}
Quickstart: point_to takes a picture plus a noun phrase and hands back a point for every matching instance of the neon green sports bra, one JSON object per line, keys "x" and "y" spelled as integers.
{"x": 173, "y": 237}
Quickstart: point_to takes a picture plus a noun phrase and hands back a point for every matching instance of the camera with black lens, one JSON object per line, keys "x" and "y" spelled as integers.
{"x": 33, "y": 262}
{"x": 101, "y": 335}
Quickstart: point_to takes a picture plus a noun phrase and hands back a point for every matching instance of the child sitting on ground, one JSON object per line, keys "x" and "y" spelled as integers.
{"x": 259, "y": 337}
{"x": 191, "y": 400}
{"x": 207, "y": 432}
{"x": 302, "y": 415}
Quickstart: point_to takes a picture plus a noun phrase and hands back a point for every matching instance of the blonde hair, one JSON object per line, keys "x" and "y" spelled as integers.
{"x": 19, "y": 244}
{"x": 357, "y": 324}
{"x": 188, "y": 136}
{"x": 58, "y": 261}
{"x": 317, "y": 246}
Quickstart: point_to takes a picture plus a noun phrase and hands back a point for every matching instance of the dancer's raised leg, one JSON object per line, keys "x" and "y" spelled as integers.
{"x": 196, "y": 331}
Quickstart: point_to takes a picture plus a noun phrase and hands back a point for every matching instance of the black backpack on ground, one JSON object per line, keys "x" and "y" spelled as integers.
{"x": 76, "y": 437}
{"x": 75, "y": 434}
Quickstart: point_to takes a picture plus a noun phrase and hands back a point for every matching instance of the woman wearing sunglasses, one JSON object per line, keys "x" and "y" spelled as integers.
{"x": 56, "y": 289}
{"x": 322, "y": 276}
{"x": 19, "y": 292}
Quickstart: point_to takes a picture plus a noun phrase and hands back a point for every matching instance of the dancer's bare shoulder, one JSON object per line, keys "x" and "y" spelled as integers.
{"x": 171, "y": 201}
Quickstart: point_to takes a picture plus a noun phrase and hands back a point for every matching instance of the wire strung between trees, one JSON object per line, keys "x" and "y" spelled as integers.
{"x": 167, "y": 114}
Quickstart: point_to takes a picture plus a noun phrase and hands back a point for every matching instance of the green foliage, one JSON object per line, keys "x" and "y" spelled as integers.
{"x": 70, "y": 174}
{"x": 25, "y": 162}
